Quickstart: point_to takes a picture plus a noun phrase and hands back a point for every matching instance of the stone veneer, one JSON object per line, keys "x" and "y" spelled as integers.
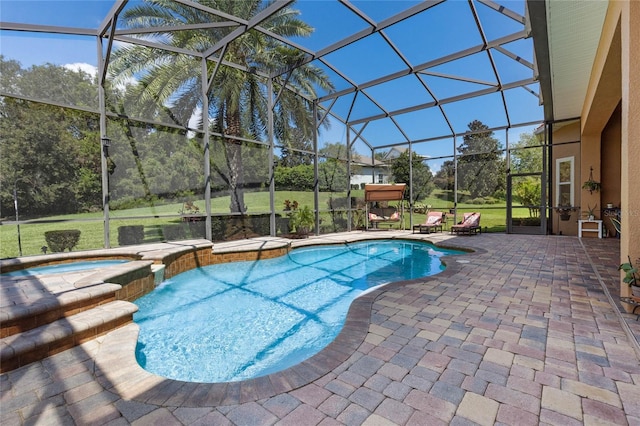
{"x": 176, "y": 263}
{"x": 249, "y": 255}
{"x": 136, "y": 288}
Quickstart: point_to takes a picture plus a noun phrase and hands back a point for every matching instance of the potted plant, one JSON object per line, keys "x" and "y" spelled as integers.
{"x": 301, "y": 219}
{"x": 565, "y": 211}
{"x": 591, "y": 185}
{"x": 591, "y": 212}
{"x": 632, "y": 279}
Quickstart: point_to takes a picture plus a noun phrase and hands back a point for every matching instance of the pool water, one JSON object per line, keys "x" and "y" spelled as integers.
{"x": 240, "y": 320}
{"x": 63, "y": 267}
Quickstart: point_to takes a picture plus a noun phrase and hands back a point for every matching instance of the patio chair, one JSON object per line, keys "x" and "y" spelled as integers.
{"x": 470, "y": 224}
{"x": 617, "y": 226}
{"x": 432, "y": 223}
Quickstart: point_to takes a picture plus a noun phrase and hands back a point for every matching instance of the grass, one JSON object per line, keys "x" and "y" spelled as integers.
{"x": 154, "y": 218}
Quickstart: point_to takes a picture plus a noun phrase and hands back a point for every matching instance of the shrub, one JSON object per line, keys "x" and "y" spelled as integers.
{"x": 173, "y": 232}
{"x": 297, "y": 178}
{"x": 483, "y": 200}
{"x": 60, "y": 240}
{"x": 337, "y": 203}
{"x": 282, "y": 225}
{"x": 527, "y": 221}
{"x": 302, "y": 220}
{"x": 261, "y": 224}
{"x": 218, "y": 228}
{"x": 130, "y": 234}
{"x": 197, "y": 229}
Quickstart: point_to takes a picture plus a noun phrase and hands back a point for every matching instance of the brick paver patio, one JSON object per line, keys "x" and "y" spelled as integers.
{"x": 522, "y": 331}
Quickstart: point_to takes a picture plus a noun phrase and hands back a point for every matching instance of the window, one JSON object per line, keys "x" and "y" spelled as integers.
{"x": 564, "y": 181}
{"x": 380, "y": 178}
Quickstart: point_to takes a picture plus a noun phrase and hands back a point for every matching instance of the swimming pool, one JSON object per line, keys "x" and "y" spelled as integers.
{"x": 235, "y": 321}
{"x": 63, "y": 267}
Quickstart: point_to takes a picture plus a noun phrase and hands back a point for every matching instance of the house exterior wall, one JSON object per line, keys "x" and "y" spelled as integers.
{"x": 610, "y": 156}
{"x": 566, "y": 145}
{"x": 366, "y": 174}
{"x": 614, "y": 81}
{"x": 630, "y": 150}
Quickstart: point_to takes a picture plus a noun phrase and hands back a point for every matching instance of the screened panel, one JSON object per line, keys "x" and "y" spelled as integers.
{"x": 523, "y": 104}
{"x": 475, "y": 68}
{"x": 416, "y": 36}
{"x": 449, "y": 86}
{"x": 513, "y": 70}
{"x": 383, "y": 132}
{"x": 481, "y": 140}
{"x": 441, "y": 195}
{"x": 481, "y": 179}
{"x": 527, "y": 155}
{"x": 364, "y": 107}
{"x": 70, "y": 84}
{"x": 51, "y": 158}
{"x": 255, "y": 176}
{"x": 333, "y": 180}
{"x": 495, "y": 23}
{"x": 240, "y": 176}
{"x": 349, "y": 58}
{"x": 489, "y": 109}
{"x": 152, "y": 169}
{"x": 294, "y": 182}
{"x": 434, "y": 149}
{"x": 317, "y": 14}
{"x": 414, "y": 123}
{"x": 364, "y": 168}
{"x": 180, "y": 103}
{"x": 412, "y": 90}
{"x": 392, "y": 83}
{"x": 133, "y": 231}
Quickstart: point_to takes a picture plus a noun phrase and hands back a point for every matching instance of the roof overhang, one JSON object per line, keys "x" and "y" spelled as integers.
{"x": 566, "y": 35}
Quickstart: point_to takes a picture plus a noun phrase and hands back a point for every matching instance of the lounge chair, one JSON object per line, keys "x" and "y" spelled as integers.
{"x": 470, "y": 224}
{"x": 431, "y": 224}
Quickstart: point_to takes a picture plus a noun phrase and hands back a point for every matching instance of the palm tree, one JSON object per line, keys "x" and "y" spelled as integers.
{"x": 238, "y": 99}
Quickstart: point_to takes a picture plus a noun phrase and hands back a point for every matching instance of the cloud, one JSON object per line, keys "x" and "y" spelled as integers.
{"x": 81, "y": 66}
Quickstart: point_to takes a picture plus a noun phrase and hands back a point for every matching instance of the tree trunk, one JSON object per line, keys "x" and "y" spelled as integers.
{"x": 234, "y": 160}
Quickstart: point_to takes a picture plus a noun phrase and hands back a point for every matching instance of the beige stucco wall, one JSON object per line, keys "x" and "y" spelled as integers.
{"x": 614, "y": 81}
{"x": 566, "y": 144}
{"x": 610, "y": 156}
{"x": 630, "y": 171}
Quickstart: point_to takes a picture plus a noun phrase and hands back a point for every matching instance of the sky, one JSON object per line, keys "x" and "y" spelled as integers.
{"x": 446, "y": 29}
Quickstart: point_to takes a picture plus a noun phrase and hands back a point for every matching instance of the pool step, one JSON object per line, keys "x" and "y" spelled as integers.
{"x": 50, "y": 307}
{"x": 64, "y": 333}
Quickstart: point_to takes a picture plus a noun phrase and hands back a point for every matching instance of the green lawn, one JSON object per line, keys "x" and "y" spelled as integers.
{"x": 90, "y": 224}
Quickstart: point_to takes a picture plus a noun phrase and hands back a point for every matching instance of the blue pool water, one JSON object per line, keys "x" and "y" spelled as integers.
{"x": 63, "y": 267}
{"x": 235, "y": 321}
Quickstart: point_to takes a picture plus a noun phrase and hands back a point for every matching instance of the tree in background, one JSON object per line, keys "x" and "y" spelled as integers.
{"x": 422, "y": 182}
{"x": 445, "y": 177}
{"x": 332, "y": 170}
{"x": 526, "y": 157}
{"x": 296, "y": 178}
{"x": 481, "y": 168}
{"x": 50, "y": 154}
{"x": 527, "y": 192}
{"x": 526, "y": 154}
{"x": 237, "y": 101}
{"x": 290, "y": 157}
